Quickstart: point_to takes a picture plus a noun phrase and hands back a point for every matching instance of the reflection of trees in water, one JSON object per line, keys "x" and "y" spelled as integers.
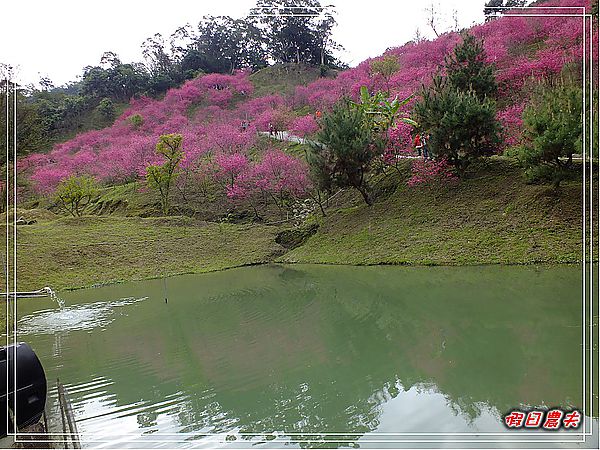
{"x": 496, "y": 336}
{"x": 321, "y": 349}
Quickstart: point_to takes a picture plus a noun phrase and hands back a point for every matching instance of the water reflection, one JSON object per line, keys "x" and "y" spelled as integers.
{"x": 309, "y": 351}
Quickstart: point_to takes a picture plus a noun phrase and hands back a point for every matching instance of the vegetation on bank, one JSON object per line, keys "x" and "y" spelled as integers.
{"x": 354, "y": 192}
{"x": 69, "y": 253}
{"x": 492, "y": 216}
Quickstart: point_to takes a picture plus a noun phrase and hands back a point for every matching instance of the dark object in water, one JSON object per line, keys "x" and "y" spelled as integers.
{"x": 26, "y": 398}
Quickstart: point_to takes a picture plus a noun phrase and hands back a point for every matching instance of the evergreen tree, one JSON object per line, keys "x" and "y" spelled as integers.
{"x": 458, "y": 110}
{"x": 495, "y": 8}
{"x": 552, "y": 132}
{"x": 31, "y": 130}
{"x": 345, "y": 149}
{"x": 297, "y": 31}
{"x": 467, "y": 69}
{"x": 462, "y": 126}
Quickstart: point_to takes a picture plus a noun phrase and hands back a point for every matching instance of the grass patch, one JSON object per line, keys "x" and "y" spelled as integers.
{"x": 489, "y": 218}
{"x": 77, "y": 252}
{"x": 283, "y": 78}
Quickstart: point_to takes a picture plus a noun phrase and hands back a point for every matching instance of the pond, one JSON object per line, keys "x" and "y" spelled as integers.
{"x": 337, "y": 356}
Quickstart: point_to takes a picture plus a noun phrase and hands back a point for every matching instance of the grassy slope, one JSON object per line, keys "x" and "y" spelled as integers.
{"x": 283, "y": 78}
{"x": 492, "y": 217}
{"x": 71, "y": 253}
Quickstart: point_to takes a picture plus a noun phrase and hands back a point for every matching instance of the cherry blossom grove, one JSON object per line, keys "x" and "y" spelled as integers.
{"x": 219, "y": 115}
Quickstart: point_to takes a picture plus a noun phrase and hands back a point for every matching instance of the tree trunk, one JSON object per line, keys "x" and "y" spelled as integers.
{"x": 320, "y": 202}
{"x": 365, "y": 195}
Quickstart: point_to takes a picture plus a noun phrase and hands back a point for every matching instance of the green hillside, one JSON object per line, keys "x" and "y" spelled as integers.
{"x": 491, "y": 217}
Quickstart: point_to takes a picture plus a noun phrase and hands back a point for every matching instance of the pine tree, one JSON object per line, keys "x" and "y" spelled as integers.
{"x": 345, "y": 149}
{"x": 467, "y": 69}
{"x": 458, "y": 109}
{"x": 552, "y": 132}
{"x": 462, "y": 127}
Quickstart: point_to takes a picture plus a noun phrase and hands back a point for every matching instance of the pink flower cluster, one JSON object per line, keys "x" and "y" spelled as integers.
{"x": 427, "y": 171}
{"x": 123, "y": 151}
{"x": 511, "y": 120}
{"x": 304, "y": 125}
{"x": 276, "y": 174}
{"x": 400, "y": 143}
{"x": 231, "y": 166}
{"x": 520, "y": 48}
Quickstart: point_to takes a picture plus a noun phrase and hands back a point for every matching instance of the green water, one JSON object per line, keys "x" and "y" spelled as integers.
{"x": 306, "y": 354}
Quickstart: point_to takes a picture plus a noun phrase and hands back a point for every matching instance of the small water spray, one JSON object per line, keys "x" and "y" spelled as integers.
{"x": 54, "y": 296}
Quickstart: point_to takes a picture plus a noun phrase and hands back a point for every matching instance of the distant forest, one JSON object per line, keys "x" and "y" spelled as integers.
{"x": 274, "y": 31}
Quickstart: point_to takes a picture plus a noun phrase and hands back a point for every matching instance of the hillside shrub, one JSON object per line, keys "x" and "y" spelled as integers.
{"x": 136, "y": 120}
{"x": 106, "y": 108}
{"x": 74, "y": 193}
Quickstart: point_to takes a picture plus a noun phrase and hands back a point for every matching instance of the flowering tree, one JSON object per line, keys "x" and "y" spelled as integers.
{"x": 304, "y": 125}
{"x": 398, "y": 146}
{"x": 511, "y": 121}
{"x": 424, "y": 171}
{"x": 276, "y": 176}
{"x": 229, "y": 167}
{"x": 280, "y": 176}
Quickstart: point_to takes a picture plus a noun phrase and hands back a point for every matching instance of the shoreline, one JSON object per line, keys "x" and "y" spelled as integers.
{"x": 284, "y": 263}
{"x": 491, "y": 218}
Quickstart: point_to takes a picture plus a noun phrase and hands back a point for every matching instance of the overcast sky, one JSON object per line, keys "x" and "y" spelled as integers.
{"x": 57, "y": 38}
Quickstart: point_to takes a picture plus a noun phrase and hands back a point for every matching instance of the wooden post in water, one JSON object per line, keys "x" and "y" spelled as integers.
{"x": 66, "y": 413}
